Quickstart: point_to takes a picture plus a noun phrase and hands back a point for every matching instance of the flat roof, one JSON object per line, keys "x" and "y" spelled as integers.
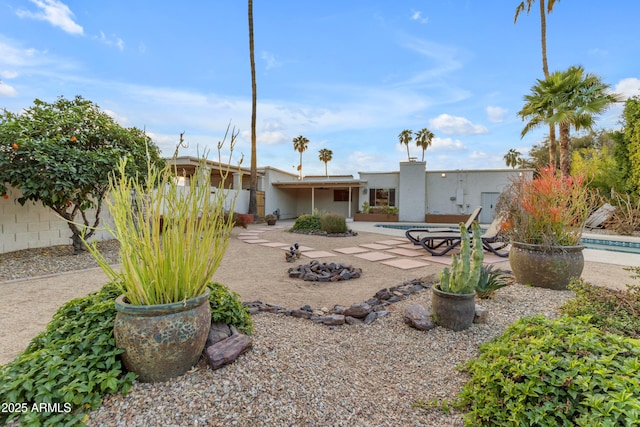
{"x": 320, "y": 183}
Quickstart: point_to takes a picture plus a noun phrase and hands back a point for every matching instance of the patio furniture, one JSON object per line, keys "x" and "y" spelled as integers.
{"x": 439, "y": 244}
{"x": 415, "y": 235}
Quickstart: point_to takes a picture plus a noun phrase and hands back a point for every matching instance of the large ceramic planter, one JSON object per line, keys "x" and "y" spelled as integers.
{"x": 453, "y": 311}
{"x": 162, "y": 341}
{"x": 546, "y": 267}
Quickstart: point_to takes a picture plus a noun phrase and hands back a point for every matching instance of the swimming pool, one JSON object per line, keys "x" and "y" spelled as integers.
{"x": 606, "y": 243}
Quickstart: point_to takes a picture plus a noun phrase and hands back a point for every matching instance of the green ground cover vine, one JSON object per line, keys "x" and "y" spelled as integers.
{"x": 74, "y": 363}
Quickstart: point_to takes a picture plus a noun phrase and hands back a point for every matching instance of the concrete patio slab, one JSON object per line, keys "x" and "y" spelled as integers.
{"x": 405, "y": 264}
{"x": 375, "y": 256}
{"x": 375, "y": 246}
{"x": 404, "y": 252}
{"x": 390, "y": 242}
{"x": 318, "y": 254}
{"x": 276, "y": 245}
{"x": 352, "y": 250}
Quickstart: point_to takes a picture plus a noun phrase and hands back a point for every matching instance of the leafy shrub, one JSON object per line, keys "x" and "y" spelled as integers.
{"x": 553, "y": 372}
{"x": 614, "y": 311}
{"x": 490, "y": 281}
{"x": 366, "y": 208}
{"x": 389, "y": 210}
{"x": 239, "y": 220}
{"x": 307, "y": 222}
{"x": 333, "y": 223}
{"x": 72, "y": 363}
{"x": 227, "y": 308}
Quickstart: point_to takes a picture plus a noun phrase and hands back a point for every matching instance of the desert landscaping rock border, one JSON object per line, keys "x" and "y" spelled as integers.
{"x": 365, "y": 312}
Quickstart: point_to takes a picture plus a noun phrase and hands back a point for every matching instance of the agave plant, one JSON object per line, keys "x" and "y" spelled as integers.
{"x": 490, "y": 281}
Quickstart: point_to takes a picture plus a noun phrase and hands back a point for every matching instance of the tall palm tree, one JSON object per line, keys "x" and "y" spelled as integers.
{"x": 545, "y": 67}
{"x": 405, "y": 138}
{"x": 325, "y": 155}
{"x": 512, "y": 158}
{"x": 253, "y": 183}
{"x": 567, "y": 98}
{"x": 583, "y": 96}
{"x": 300, "y": 144}
{"x": 424, "y": 137}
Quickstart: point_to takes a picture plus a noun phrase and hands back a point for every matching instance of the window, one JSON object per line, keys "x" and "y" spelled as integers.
{"x": 382, "y": 197}
{"x": 340, "y": 195}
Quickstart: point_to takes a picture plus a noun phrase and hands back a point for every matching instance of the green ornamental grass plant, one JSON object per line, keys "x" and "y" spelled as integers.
{"x": 172, "y": 238}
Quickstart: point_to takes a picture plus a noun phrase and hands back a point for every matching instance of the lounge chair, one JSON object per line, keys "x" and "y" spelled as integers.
{"x": 492, "y": 241}
{"x": 439, "y": 244}
{"x": 415, "y": 235}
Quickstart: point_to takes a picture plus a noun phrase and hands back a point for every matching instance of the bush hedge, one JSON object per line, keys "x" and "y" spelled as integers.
{"x": 333, "y": 223}
{"x": 614, "y": 311}
{"x": 560, "y": 372}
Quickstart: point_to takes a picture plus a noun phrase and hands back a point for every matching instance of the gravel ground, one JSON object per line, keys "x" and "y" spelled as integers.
{"x": 299, "y": 373}
{"x": 52, "y": 260}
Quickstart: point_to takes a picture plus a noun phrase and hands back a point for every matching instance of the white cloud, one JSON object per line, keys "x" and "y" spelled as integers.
{"x": 7, "y": 90}
{"x": 14, "y": 56}
{"x": 270, "y": 60}
{"x": 628, "y": 87}
{"x": 448, "y": 124}
{"x": 54, "y": 12}
{"x": 123, "y": 121}
{"x": 6, "y": 74}
{"x": 417, "y": 16}
{"x": 446, "y": 144}
{"x": 111, "y": 41}
{"x": 496, "y": 114}
{"x": 445, "y": 59}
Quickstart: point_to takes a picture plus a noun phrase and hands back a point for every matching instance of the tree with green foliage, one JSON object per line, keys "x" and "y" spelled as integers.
{"x": 568, "y": 98}
{"x": 593, "y": 156}
{"x": 545, "y": 67}
{"x": 513, "y": 158}
{"x": 405, "y": 138}
{"x": 300, "y": 144}
{"x": 629, "y": 144}
{"x": 325, "y": 155}
{"x": 62, "y": 154}
{"x": 424, "y": 138}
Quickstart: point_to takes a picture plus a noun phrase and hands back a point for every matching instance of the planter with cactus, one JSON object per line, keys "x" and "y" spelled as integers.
{"x": 453, "y": 299}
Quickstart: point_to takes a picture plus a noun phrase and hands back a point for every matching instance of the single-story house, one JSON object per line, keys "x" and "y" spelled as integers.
{"x": 419, "y": 195}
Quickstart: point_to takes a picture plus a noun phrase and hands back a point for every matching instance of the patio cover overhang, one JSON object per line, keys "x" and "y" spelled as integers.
{"x": 326, "y": 183}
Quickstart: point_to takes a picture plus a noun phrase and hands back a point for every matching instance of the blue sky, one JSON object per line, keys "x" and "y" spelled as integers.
{"x": 348, "y": 75}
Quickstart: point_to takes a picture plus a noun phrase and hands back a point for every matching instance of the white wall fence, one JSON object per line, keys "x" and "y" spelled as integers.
{"x": 36, "y": 226}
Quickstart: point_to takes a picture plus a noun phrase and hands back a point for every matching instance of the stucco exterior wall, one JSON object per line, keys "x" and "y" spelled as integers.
{"x": 378, "y": 180}
{"x": 274, "y": 198}
{"x": 460, "y": 192}
{"x": 413, "y": 196}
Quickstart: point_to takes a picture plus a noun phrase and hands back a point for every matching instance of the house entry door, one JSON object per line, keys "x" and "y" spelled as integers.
{"x": 488, "y": 202}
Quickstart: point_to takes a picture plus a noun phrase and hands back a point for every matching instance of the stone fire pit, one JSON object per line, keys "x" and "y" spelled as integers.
{"x": 324, "y": 272}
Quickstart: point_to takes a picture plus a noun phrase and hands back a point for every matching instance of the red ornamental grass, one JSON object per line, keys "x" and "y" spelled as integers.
{"x": 549, "y": 209}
